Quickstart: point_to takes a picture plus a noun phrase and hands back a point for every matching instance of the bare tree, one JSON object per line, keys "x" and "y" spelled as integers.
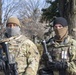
{"x": 30, "y": 15}
{"x": 25, "y": 10}
{"x": 9, "y": 8}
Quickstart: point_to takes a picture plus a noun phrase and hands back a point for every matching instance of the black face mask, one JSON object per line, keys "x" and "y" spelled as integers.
{"x": 13, "y": 31}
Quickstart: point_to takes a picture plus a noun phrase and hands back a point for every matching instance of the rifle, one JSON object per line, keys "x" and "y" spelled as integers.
{"x": 46, "y": 51}
{"x": 61, "y": 72}
{"x": 7, "y": 65}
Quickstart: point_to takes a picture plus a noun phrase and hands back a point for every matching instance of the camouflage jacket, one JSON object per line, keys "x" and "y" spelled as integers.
{"x": 26, "y": 54}
{"x": 65, "y": 50}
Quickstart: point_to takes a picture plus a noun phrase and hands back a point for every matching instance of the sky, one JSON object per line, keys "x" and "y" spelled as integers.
{"x": 42, "y": 4}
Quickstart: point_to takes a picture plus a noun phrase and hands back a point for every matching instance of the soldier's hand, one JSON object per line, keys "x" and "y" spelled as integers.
{"x": 64, "y": 65}
{"x": 51, "y": 65}
{"x": 61, "y": 65}
{"x": 57, "y": 65}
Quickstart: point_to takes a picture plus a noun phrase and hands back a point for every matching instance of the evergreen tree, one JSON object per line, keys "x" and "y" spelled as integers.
{"x": 49, "y": 13}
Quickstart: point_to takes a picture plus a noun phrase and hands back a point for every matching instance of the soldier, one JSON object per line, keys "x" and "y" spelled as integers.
{"x": 25, "y": 51}
{"x": 62, "y": 49}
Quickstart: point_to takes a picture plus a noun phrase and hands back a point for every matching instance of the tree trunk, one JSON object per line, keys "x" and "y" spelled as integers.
{"x": 0, "y": 12}
{"x": 67, "y": 9}
{"x": 72, "y": 19}
{"x": 1, "y": 26}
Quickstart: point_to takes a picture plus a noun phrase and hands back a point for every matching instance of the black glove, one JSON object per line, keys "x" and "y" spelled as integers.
{"x": 64, "y": 65}
{"x": 57, "y": 65}
{"x": 61, "y": 65}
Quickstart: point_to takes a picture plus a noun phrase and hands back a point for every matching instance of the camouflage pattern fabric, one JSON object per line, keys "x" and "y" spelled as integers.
{"x": 69, "y": 45}
{"x": 72, "y": 64}
{"x": 26, "y": 55}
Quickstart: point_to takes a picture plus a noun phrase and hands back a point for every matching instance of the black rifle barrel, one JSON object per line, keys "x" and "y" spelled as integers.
{"x": 12, "y": 67}
{"x": 46, "y": 50}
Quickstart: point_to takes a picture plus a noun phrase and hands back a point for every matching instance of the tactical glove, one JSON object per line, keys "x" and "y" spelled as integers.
{"x": 57, "y": 65}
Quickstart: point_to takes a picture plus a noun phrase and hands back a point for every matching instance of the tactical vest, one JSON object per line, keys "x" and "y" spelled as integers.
{"x": 60, "y": 51}
{"x": 66, "y": 51}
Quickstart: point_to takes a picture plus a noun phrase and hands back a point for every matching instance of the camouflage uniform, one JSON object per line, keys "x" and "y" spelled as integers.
{"x": 56, "y": 51}
{"x": 22, "y": 49}
{"x": 26, "y": 55}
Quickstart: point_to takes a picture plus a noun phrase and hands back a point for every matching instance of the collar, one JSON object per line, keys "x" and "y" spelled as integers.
{"x": 66, "y": 42}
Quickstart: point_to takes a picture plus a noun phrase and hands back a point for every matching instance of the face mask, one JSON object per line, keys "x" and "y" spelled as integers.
{"x": 61, "y": 33}
{"x": 13, "y": 31}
